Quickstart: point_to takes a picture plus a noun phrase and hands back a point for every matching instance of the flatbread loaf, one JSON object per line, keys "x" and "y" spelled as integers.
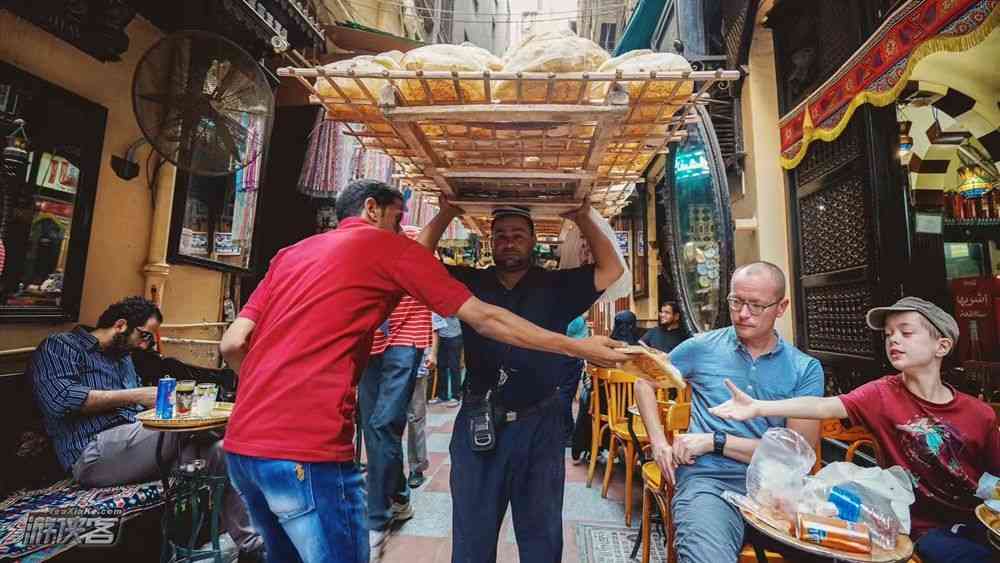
{"x": 653, "y": 365}
{"x": 448, "y": 58}
{"x": 550, "y": 52}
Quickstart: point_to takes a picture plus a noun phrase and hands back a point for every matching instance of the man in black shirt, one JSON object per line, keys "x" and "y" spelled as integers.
{"x": 669, "y": 334}
{"x": 525, "y": 467}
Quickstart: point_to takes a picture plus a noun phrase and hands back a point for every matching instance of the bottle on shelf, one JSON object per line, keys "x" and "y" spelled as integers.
{"x": 953, "y": 205}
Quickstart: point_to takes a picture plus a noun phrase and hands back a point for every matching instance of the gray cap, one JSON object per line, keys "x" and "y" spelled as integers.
{"x": 514, "y": 211}
{"x": 506, "y": 210}
{"x": 941, "y": 320}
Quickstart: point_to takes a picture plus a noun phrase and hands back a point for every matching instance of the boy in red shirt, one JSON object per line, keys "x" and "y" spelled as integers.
{"x": 945, "y": 439}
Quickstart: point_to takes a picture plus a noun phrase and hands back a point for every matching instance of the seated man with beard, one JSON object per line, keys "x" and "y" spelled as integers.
{"x": 87, "y": 388}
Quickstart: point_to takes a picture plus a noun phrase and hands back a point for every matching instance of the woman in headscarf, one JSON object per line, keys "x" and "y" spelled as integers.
{"x": 624, "y": 329}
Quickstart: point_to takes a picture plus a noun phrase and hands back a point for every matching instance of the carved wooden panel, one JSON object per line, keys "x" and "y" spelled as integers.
{"x": 812, "y": 40}
{"x": 824, "y": 158}
{"x": 737, "y": 28}
{"x": 835, "y": 318}
{"x": 835, "y": 228}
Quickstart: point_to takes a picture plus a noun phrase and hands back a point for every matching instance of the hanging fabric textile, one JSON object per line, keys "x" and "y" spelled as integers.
{"x": 334, "y": 159}
{"x": 247, "y": 182}
{"x": 318, "y": 176}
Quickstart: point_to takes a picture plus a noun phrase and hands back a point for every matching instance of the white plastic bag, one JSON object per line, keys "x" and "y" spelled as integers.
{"x": 777, "y": 471}
{"x": 575, "y": 252}
{"x": 892, "y": 484}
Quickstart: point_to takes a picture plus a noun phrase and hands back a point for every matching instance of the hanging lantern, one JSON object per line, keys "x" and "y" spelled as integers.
{"x": 15, "y": 154}
{"x": 972, "y": 183}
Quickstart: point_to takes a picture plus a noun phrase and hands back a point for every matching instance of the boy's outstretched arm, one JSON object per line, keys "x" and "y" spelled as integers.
{"x": 743, "y": 407}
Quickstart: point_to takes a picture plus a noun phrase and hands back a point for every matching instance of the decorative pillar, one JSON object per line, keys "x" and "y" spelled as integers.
{"x": 157, "y": 270}
{"x": 764, "y": 175}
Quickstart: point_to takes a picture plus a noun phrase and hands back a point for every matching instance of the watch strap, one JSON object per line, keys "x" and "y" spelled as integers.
{"x": 719, "y": 442}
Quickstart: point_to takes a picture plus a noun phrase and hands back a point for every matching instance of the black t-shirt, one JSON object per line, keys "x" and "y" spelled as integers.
{"x": 664, "y": 340}
{"x": 551, "y": 300}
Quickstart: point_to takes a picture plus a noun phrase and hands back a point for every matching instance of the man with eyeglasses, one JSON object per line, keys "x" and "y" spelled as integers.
{"x": 713, "y": 456}
{"x": 89, "y": 393}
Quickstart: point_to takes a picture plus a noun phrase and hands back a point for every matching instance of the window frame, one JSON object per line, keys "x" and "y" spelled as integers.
{"x": 89, "y": 136}
{"x": 181, "y": 188}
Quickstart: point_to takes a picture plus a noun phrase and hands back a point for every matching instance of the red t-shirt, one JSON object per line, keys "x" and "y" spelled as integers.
{"x": 315, "y": 313}
{"x": 945, "y": 447}
{"x": 409, "y": 325}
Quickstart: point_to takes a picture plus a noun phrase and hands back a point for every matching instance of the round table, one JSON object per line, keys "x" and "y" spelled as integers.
{"x": 187, "y": 487}
{"x": 902, "y": 553}
{"x": 992, "y": 523}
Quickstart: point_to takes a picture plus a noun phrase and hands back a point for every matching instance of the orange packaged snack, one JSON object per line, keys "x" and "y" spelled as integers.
{"x": 834, "y": 533}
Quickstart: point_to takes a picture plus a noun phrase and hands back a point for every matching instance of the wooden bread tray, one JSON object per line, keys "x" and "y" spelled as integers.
{"x": 580, "y": 135}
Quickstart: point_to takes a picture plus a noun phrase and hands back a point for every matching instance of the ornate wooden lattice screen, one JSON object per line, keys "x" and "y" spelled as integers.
{"x": 848, "y": 208}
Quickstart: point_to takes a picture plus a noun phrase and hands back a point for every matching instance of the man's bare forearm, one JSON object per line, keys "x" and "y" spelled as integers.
{"x": 433, "y": 231}
{"x": 607, "y": 266}
{"x": 649, "y": 409}
{"x": 503, "y": 326}
{"x": 740, "y": 449}
{"x": 99, "y": 401}
{"x": 236, "y": 342}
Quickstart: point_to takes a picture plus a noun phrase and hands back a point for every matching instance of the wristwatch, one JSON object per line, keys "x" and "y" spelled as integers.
{"x": 719, "y": 442}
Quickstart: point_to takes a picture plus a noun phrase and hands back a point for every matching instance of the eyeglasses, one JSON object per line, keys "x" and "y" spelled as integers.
{"x": 144, "y": 334}
{"x": 736, "y": 305}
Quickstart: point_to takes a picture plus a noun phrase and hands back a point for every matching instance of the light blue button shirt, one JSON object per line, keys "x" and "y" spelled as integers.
{"x": 707, "y": 359}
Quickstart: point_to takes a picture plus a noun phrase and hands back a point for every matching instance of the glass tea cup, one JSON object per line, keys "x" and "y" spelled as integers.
{"x": 204, "y": 399}
{"x": 185, "y": 397}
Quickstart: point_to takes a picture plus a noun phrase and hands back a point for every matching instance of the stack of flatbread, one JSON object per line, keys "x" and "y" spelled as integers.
{"x": 653, "y": 365}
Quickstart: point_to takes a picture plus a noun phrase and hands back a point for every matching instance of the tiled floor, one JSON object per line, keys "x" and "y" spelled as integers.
{"x": 427, "y": 537}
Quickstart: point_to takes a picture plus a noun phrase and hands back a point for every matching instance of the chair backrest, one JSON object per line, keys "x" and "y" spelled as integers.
{"x": 675, "y": 417}
{"x": 620, "y": 387}
{"x": 597, "y": 378}
{"x": 855, "y": 437}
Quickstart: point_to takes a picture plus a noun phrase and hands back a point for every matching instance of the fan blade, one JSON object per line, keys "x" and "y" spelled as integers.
{"x": 222, "y": 124}
{"x": 228, "y": 81}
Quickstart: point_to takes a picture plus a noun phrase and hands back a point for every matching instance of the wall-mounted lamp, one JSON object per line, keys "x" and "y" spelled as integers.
{"x": 127, "y": 168}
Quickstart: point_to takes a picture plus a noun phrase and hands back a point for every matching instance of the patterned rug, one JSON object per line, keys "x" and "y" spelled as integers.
{"x": 67, "y": 494}
{"x": 606, "y": 543}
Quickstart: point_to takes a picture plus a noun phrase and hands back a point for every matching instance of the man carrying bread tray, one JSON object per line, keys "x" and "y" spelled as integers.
{"x": 508, "y": 446}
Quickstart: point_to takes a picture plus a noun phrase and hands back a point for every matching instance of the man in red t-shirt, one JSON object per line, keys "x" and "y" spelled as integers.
{"x": 300, "y": 345}
{"x": 943, "y": 438}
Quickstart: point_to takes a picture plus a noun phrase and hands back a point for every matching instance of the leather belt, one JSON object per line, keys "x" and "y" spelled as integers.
{"x": 502, "y": 415}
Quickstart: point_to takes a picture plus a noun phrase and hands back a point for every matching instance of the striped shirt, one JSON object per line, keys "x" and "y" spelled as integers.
{"x": 65, "y": 368}
{"x": 409, "y": 325}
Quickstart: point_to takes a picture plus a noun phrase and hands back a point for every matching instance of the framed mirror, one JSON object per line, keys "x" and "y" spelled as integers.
{"x": 47, "y": 196}
{"x": 213, "y": 220}
{"x": 698, "y": 253}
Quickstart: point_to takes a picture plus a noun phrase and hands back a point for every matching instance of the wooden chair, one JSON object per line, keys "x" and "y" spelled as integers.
{"x": 598, "y": 420}
{"x": 675, "y": 417}
{"x": 620, "y": 387}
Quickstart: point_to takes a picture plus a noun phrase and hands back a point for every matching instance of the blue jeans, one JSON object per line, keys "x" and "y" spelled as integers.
{"x": 383, "y": 396}
{"x": 449, "y": 363}
{"x": 526, "y": 470}
{"x": 309, "y": 512}
{"x": 967, "y": 545}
